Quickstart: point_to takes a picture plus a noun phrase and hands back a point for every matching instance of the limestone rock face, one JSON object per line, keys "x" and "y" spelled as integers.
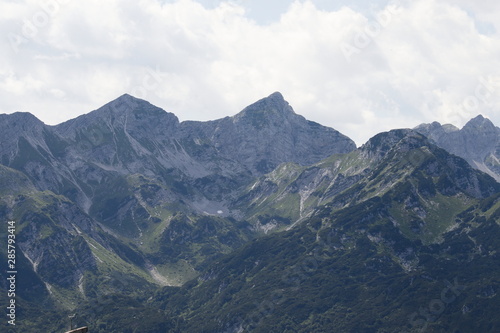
{"x": 268, "y": 133}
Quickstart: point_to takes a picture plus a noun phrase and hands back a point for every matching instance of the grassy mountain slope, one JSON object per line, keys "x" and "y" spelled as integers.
{"x": 292, "y": 192}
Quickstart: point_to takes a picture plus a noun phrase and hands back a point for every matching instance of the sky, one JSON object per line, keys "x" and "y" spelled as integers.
{"x": 361, "y": 67}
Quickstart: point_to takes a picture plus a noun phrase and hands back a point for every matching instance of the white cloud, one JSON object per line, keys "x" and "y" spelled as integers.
{"x": 421, "y": 61}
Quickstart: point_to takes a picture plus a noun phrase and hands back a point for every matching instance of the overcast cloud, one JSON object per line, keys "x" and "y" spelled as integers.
{"x": 361, "y": 67}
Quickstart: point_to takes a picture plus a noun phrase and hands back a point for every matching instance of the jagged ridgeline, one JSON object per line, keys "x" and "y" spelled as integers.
{"x": 260, "y": 222}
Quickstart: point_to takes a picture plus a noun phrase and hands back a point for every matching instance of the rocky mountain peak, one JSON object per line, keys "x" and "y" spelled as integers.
{"x": 124, "y": 112}
{"x": 19, "y": 125}
{"x": 265, "y": 111}
{"x": 127, "y": 105}
{"x": 21, "y": 120}
{"x": 274, "y": 101}
{"x": 448, "y": 128}
{"x": 481, "y": 124}
{"x": 277, "y": 97}
{"x": 268, "y": 133}
{"x": 435, "y": 131}
{"x": 382, "y": 143}
{"x": 432, "y": 126}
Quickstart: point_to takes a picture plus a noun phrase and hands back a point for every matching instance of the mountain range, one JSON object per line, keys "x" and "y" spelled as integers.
{"x": 260, "y": 222}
